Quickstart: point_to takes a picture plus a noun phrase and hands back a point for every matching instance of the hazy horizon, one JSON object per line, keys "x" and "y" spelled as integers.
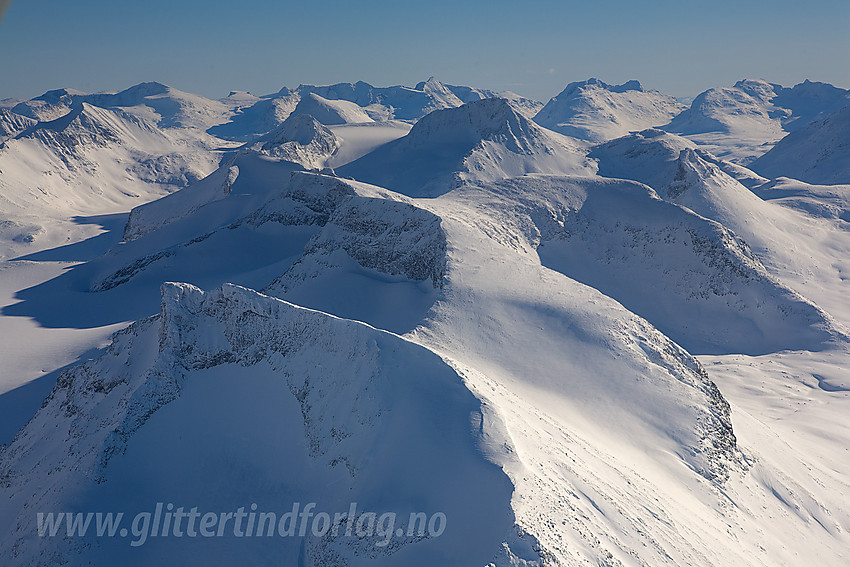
{"x": 212, "y": 48}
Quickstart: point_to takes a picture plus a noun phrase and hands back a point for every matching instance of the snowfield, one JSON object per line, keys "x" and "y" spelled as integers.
{"x": 591, "y": 332}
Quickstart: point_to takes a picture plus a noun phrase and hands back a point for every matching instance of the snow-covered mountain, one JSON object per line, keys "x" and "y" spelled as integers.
{"x": 161, "y": 104}
{"x": 259, "y": 118}
{"x": 652, "y": 157}
{"x": 12, "y": 123}
{"x": 790, "y": 242}
{"x": 481, "y": 141}
{"x": 595, "y": 111}
{"x": 396, "y": 102}
{"x": 182, "y": 349}
{"x": 301, "y": 139}
{"x": 817, "y": 153}
{"x": 49, "y": 106}
{"x": 356, "y": 427}
{"x": 539, "y": 452}
{"x": 419, "y": 300}
{"x": 744, "y": 121}
{"x": 330, "y": 112}
{"x": 91, "y": 161}
{"x": 358, "y": 102}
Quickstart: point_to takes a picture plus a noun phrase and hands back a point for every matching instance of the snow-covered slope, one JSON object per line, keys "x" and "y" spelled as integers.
{"x": 595, "y": 111}
{"x": 171, "y": 107}
{"x": 92, "y": 161}
{"x": 745, "y": 107}
{"x": 330, "y": 112}
{"x": 803, "y": 246}
{"x": 481, "y": 141}
{"x": 49, "y": 106}
{"x": 744, "y": 121}
{"x": 165, "y": 106}
{"x": 248, "y": 181}
{"x": 93, "y": 154}
{"x": 826, "y": 201}
{"x": 357, "y": 140}
{"x": 528, "y": 107}
{"x": 537, "y": 356}
{"x": 817, "y": 153}
{"x": 492, "y": 332}
{"x": 377, "y": 258}
{"x": 200, "y": 343}
{"x": 151, "y": 216}
{"x": 525, "y": 106}
{"x": 651, "y": 157}
{"x": 258, "y": 119}
{"x": 386, "y": 103}
{"x": 11, "y": 123}
{"x": 373, "y": 424}
{"x": 202, "y": 230}
{"x": 690, "y": 277}
{"x": 360, "y": 102}
{"x": 301, "y": 139}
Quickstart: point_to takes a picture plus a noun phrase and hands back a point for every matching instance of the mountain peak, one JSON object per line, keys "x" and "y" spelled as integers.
{"x": 481, "y": 141}
{"x": 301, "y": 139}
{"x": 149, "y": 88}
{"x": 596, "y": 111}
{"x": 431, "y": 82}
{"x": 478, "y": 120}
{"x": 577, "y": 87}
{"x": 759, "y": 89}
{"x": 331, "y": 111}
{"x": 56, "y": 95}
{"x": 301, "y": 128}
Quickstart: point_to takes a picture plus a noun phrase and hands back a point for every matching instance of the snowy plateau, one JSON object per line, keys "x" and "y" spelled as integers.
{"x": 609, "y": 330}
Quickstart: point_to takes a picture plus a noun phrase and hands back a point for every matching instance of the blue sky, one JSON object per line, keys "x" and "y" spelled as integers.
{"x": 534, "y": 47}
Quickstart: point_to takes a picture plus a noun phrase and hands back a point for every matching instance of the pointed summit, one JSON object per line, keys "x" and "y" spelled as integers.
{"x": 440, "y": 92}
{"x": 302, "y": 139}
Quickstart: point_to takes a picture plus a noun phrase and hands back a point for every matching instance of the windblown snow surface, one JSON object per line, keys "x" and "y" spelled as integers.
{"x": 419, "y": 300}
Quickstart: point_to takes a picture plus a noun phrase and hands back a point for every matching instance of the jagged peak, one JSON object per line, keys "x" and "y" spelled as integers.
{"x": 431, "y": 84}
{"x": 809, "y": 85}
